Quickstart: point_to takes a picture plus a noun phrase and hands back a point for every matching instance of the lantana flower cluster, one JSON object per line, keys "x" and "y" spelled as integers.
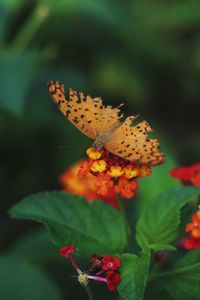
{"x": 188, "y": 175}
{"x": 193, "y": 228}
{"x": 84, "y": 185}
{"x": 101, "y": 269}
{"x": 112, "y": 173}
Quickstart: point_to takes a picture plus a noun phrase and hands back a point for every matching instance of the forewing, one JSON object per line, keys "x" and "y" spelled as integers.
{"x": 89, "y": 115}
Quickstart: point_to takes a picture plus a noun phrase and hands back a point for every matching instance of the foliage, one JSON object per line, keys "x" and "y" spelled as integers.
{"x": 98, "y": 228}
{"x": 72, "y": 219}
{"x": 145, "y": 54}
{"x": 160, "y": 218}
{"x": 134, "y": 275}
{"x": 182, "y": 281}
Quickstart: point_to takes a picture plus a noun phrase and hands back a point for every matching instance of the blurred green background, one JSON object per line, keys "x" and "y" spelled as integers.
{"x": 145, "y": 54}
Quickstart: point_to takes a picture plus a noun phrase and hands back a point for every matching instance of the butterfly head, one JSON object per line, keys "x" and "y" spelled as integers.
{"x": 98, "y": 145}
{"x": 99, "y": 142}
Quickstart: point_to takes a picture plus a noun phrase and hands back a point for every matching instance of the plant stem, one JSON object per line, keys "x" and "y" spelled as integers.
{"x": 123, "y": 211}
{"x": 31, "y": 28}
{"x": 89, "y": 293}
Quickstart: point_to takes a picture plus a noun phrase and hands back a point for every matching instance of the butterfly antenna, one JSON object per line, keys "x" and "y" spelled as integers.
{"x": 122, "y": 104}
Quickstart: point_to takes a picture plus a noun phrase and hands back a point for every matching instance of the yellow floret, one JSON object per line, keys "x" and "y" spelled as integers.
{"x": 93, "y": 153}
{"x": 115, "y": 171}
{"x": 99, "y": 166}
{"x": 131, "y": 171}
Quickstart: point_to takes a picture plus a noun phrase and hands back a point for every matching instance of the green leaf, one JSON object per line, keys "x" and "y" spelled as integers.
{"x": 159, "y": 220}
{"x": 157, "y": 247}
{"x": 94, "y": 227}
{"x": 134, "y": 274}
{"x": 183, "y": 281}
{"x": 20, "y": 280}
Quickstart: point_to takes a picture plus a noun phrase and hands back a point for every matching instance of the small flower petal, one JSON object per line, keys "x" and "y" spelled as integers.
{"x": 131, "y": 171}
{"x": 113, "y": 280}
{"x": 98, "y": 166}
{"x": 94, "y": 153}
{"x": 196, "y": 179}
{"x": 66, "y": 251}
{"x": 96, "y": 261}
{"x": 103, "y": 184}
{"x": 115, "y": 171}
{"x": 126, "y": 188}
{"x": 111, "y": 263}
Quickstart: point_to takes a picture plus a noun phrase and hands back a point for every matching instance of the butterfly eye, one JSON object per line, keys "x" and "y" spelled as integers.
{"x": 98, "y": 145}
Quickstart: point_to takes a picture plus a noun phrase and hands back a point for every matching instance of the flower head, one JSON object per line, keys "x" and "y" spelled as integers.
{"x": 67, "y": 250}
{"x": 114, "y": 173}
{"x": 84, "y": 167}
{"x": 127, "y": 188}
{"x": 193, "y": 228}
{"x": 111, "y": 263}
{"x": 188, "y": 175}
{"x": 131, "y": 171}
{"x": 96, "y": 261}
{"x": 113, "y": 280}
{"x": 102, "y": 176}
{"x": 195, "y": 180}
{"x": 190, "y": 243}
{"x": 98, "y": 166}
{"x": 103, "y": 184}
{"x": 78, "y": 180}
{"x": 103, "y": 269}
{"x": 94, "y": 153}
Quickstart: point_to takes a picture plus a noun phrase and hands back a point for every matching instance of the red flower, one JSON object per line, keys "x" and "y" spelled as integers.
{"x": 84, "y": 167}
{"x": 97, "y": 261}
{"x": 67, "y": 250}
{"x": 126, "y": 188}
{"x": 196, "y": 179}
{"x": 84, "y": 185}
{"x": 103, "y": 268}
{"x": 102, "y": 176}
{"x": 190, "y": 243}
{"x": 113, "y": 280}
{"x": 188, "y": 175}
{"x": 103, "y": 184}
{"x": 193, "y": 229}
{"x": 111, "y": 263}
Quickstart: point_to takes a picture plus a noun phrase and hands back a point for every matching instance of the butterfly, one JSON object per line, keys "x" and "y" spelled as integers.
{"x": 103, "y": 124}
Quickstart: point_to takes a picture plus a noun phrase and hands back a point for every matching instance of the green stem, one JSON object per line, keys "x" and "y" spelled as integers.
{"x": 31, "y": 28}
{"x": 89, "y": 292}
{"x": 123, "y": 211}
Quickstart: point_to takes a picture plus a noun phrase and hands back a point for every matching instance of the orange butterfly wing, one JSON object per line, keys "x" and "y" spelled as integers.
{"x": 94, "y": 119}
{"x": 89, "y": 115}
{"x": 132, "y": 143}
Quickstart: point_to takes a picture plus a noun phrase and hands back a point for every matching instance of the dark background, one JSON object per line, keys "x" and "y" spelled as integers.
{"x": 145, "y": 54}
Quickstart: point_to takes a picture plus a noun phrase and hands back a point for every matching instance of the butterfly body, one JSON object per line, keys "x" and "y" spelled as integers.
{"x": 103, "y": 125}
